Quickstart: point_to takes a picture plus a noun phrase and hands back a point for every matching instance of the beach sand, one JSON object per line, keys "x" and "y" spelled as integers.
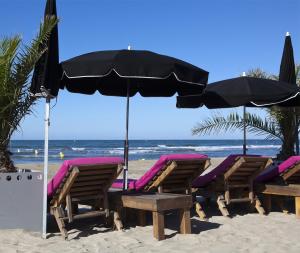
{"x": 276, "y": 232}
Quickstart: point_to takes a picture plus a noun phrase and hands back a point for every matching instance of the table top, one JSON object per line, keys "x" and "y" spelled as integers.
{"x": 152, "y": 202}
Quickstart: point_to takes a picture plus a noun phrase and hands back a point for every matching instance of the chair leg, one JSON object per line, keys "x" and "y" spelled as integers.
{"x": 280, "y": 202}
{"x": 117, "y": 220}
{"x": 222, "y": 206}
{"x": 259, "y": 207}
{"x": 267, "y": 202}
{"x": 58, "y": 213}
{"x": 297, "y": 206}
{"x": 200, "y": 211}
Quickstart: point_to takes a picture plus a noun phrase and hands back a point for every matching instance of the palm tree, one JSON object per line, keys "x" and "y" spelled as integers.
{"x": 16, "y": 64}
{"x": 278, "y": 124}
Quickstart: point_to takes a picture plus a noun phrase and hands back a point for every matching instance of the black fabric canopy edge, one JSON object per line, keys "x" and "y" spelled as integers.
{"x": 134, "y": 77}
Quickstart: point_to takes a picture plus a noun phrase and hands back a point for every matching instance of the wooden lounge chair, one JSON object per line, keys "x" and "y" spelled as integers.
{"x": 282, "y": 180}
{"x": 85, "y": 181}
{"x": 171, "y": 174}
{"x": 232, "y": 181}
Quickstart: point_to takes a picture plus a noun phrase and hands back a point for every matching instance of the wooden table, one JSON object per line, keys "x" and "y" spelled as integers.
{"x": 156, "y": 203}
{"x": 281, "y": 190}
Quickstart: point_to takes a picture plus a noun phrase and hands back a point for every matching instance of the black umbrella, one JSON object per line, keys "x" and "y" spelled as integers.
{"x": 127, "y": 72}
{"x": 241, "y": 91}
{"x": 46, "y": 74}
{"x": 45, "y": 83}
{"x": 287, "y": 74}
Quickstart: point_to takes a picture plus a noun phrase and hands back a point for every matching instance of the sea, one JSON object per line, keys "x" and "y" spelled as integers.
{"x": 32, "y": 151}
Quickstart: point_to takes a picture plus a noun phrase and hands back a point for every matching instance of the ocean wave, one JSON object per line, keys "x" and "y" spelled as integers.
{"x": 77, "y": 149}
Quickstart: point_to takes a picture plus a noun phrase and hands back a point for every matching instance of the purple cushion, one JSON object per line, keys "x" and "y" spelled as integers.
{"x": 275, "y": 170}
{"x": 158, "y": 166}
{"x": 205, "y": 179}
{"x": 60, "y": 174}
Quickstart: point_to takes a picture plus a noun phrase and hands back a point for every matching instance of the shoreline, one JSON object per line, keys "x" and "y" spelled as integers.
{"x": 136, "y": 167}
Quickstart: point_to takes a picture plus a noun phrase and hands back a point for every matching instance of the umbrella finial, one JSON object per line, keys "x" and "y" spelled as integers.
{"x": 129, "y": 47}
{"x": 244, "y": 73}
{"x": 287, "y": 34}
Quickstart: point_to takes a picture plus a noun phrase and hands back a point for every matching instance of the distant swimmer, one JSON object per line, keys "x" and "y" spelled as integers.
{"x": 19, "y": 150}
{"x": 61, "y": 155}
{"x": 36, "y": 152}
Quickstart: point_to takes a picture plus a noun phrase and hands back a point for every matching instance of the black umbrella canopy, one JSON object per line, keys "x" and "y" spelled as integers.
{"x": 287, "y": 66}
{"x": 46, "y": 73}
{"x": 241, "y": 91}
{"x": 287, "y": 71}
{"x": 150, "y": 74}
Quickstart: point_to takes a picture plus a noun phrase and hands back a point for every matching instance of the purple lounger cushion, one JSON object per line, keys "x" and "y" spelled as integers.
{"x": 205, "y": 179}
{"x": 60, "y": 174}
{"x": 276, "y": 170}
{"x": 139, "y": 184}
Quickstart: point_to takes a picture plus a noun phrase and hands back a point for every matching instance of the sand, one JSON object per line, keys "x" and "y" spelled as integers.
{"x": 245, "y": 232}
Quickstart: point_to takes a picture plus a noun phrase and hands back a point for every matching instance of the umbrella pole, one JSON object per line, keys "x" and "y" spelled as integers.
{"x": 45, "y": 174}
{"x": 245, "y": 140}
{"x": 126, "y": 149}
{"x": 296, "y": 134}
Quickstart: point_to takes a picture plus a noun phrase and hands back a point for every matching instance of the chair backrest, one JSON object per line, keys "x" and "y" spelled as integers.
{"x": 245, "y": 170}
{"x": 292, "y": 174}
{"x": 178, "y": 175}
{"x": 86, "y": 182}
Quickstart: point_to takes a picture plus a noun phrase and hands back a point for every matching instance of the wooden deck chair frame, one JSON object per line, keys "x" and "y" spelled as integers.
{"x": 177, "y": 177}
{"x": 236, "y": 185}
{"x": 287, "y": 184}
{"x": 83, "y": 184}
{"x": 292, "y": 175}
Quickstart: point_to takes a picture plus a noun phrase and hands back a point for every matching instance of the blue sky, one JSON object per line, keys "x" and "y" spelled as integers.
{"x": 223, "y": 37}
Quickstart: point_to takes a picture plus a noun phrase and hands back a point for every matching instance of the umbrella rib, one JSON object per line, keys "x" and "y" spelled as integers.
{"x": 142, "y": 77}
{"x": 275, "y": 103}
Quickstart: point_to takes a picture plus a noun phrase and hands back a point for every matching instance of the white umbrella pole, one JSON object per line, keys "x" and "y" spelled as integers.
{"x": 47, "y": 123}
{"x": 126, "y": 148}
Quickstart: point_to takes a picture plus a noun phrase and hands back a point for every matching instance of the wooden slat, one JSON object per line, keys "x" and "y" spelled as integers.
{"x": 88, "y": 193}
{"x": 286, "y": 190}
{"x": 66, "y": 187}
{"x": 238, "y": 186}
{"x": 86, "y": 183}
{"x": 86, "y": 188}
{"x": 291, "y": 172}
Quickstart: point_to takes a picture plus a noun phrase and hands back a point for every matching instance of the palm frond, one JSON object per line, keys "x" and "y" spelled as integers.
{"x": 234, "y": 121}
{"x": 16, "y": 66}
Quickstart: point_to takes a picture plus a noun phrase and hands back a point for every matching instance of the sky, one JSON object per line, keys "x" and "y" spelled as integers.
{"x": 224, "y": 37}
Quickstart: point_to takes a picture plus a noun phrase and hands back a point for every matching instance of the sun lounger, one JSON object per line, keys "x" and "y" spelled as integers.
{"x": 170, "y": 174}
{"x": 232, "y": 181}
{"x": 287, "y": 172}
{"x": 281, "y": 180}
{"x": 82, "y": 180}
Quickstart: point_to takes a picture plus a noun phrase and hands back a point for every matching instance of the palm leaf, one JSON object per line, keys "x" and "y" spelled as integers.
{"x": 16, "y": 66}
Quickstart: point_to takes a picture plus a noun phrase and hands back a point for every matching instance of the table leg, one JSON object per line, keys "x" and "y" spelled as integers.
{"x": 158, "y": 225}
{"x": 142, "y": 217}
{"x": 297, "y": 206}
{"x": 267, "y": 203}
{"x": 185, "y": 221}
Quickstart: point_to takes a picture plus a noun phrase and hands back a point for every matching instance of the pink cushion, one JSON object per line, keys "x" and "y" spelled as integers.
{"x": 276, "y": 170}
{"x": 159, "y": 165}
{"x": 118, "y": 183}
{"x": 205, "y": 179}
{"x": 60, "y": 174}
